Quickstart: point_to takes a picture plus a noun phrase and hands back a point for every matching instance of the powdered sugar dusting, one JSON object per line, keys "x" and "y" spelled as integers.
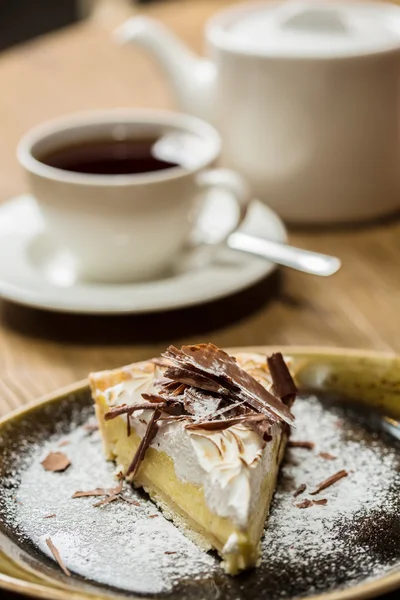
{"x": 355, "y": 536}
{"x": 87, "y": 537}
{"x": 308, "y": 537}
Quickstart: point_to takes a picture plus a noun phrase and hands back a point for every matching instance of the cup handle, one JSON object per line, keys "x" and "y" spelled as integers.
{"x": 240, "y": 194}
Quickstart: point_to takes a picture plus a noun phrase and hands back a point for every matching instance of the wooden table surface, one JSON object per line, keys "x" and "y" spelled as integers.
{"x": 81, "y": 68}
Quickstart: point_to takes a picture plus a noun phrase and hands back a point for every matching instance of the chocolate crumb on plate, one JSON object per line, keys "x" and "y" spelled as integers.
{"x": 327, "y": 456}
{"x": 57, "y": 556}
{"x": 330, "y": 481}
{"x": 301, "y": 444}
{"x": 56, "y": 462}
{"x": 304, "y": 503}
{"x": 153, "y": 516}
{"x": 107, "y": 500}
{"x": 322, "y": 501}
{"x": 129, "y": 500}
{"x": 90, "y": 493}
{"x": 302, "y": 488}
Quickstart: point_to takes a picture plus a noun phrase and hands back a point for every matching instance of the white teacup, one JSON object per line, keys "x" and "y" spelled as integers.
{"x": 128, "y": 227}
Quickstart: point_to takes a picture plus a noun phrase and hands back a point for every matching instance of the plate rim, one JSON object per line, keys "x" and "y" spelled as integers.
{"x": 361, "y": 591}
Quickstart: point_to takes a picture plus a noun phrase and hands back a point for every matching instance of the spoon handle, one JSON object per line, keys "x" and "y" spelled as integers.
{"x": 285, "y": 255}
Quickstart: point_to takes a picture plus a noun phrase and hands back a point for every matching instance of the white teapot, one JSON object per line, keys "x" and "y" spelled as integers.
{"x": 306, "y": 96}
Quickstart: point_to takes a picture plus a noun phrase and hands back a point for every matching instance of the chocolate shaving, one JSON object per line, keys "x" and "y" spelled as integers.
{"x": 322, "y": 501}
{"x": 263, "y": 429}
{"x": 304, "y": 503}
{"x": 302, "y": 488}
{"x": 160, "y": 362}
{"x": 221, "y": 425}
{"x": 330, "y": 481}
{"x": 194, "y": 378}
{"x": 57, "y": 556}
{"x": 101, "y": 491}
{"x": 129, "y": 500}
{"x": 283, "y": 384}
{"x": 327, "y": 456}
{"x": 50, "y": 516}
{"x": 124, "y": 409}
{"x": 150, "y": 432}
{"x": 107, "y": 500}
{"x": 90, "y": 493}
{"x": 169, "y": 406}
{"x": 128, "y": 425}
{"x": 172, "y": 418}
{"x": 301, "y": 444}
{"x": 223, "y": 369}
{"x": 153, "y": 516}
{"x": 167, "y": 552}
{"x": 56, "y": 462}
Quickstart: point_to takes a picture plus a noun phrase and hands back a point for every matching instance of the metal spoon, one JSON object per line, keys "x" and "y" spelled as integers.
{"x": 285, "y": 255}
{"x": 391, "y": 426}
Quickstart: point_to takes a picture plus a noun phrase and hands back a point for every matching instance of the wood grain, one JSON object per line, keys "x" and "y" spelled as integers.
{"x": 80, "y": 68}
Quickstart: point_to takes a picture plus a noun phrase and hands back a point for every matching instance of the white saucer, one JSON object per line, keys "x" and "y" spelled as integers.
{"x": 35, "y": 272}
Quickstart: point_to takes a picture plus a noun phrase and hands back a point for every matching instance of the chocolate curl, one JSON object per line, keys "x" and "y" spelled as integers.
{"x": 284, "y": 386}
{"x": 149, "y": 435}
{"x": 215, "y": 364}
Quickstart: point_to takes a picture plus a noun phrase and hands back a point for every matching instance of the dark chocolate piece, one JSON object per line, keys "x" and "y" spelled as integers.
{"x": 330, "y": 481}
{"x": 302, "y": 488}
{"x": 224, "y": 424}
{"x": 171, "y": 406}
{"x": 126, "y": 409}
{"x": 322, "y": 501}
{"x": 57, "y": 556}
{"x": 101, "y": 491}
{"x": 304, "y": 503}
{"x": 160, "y": 362}
{"x": 195, "y": 378}
{"x": 150, "y": 432}
{"x": 327, "y": 456}
{"x": 129, "y": 500}
{"x": 283, "y": 384}
{"x": 301, "y": 444}
{"x": 223, "y": 369}
{"x": 263, "y": 429}
{"x": 56, "y": 462}
{"x": 107, "y": 500}
{"x": 90, "y": 493}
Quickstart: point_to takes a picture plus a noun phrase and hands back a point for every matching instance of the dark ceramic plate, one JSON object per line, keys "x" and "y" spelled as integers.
{"x": 348, "y": 546}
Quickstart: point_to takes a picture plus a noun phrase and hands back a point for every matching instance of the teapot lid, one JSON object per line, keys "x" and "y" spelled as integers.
{"x": 308, "y": 29}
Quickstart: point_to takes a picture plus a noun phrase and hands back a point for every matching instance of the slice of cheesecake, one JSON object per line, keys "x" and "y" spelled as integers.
{"x": 203, "y": 433}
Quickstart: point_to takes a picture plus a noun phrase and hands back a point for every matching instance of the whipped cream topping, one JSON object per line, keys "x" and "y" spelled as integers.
{"x": 229, "y": 464}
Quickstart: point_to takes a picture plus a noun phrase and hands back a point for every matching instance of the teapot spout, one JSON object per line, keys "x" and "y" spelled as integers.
{"x": 191, "y": 77}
